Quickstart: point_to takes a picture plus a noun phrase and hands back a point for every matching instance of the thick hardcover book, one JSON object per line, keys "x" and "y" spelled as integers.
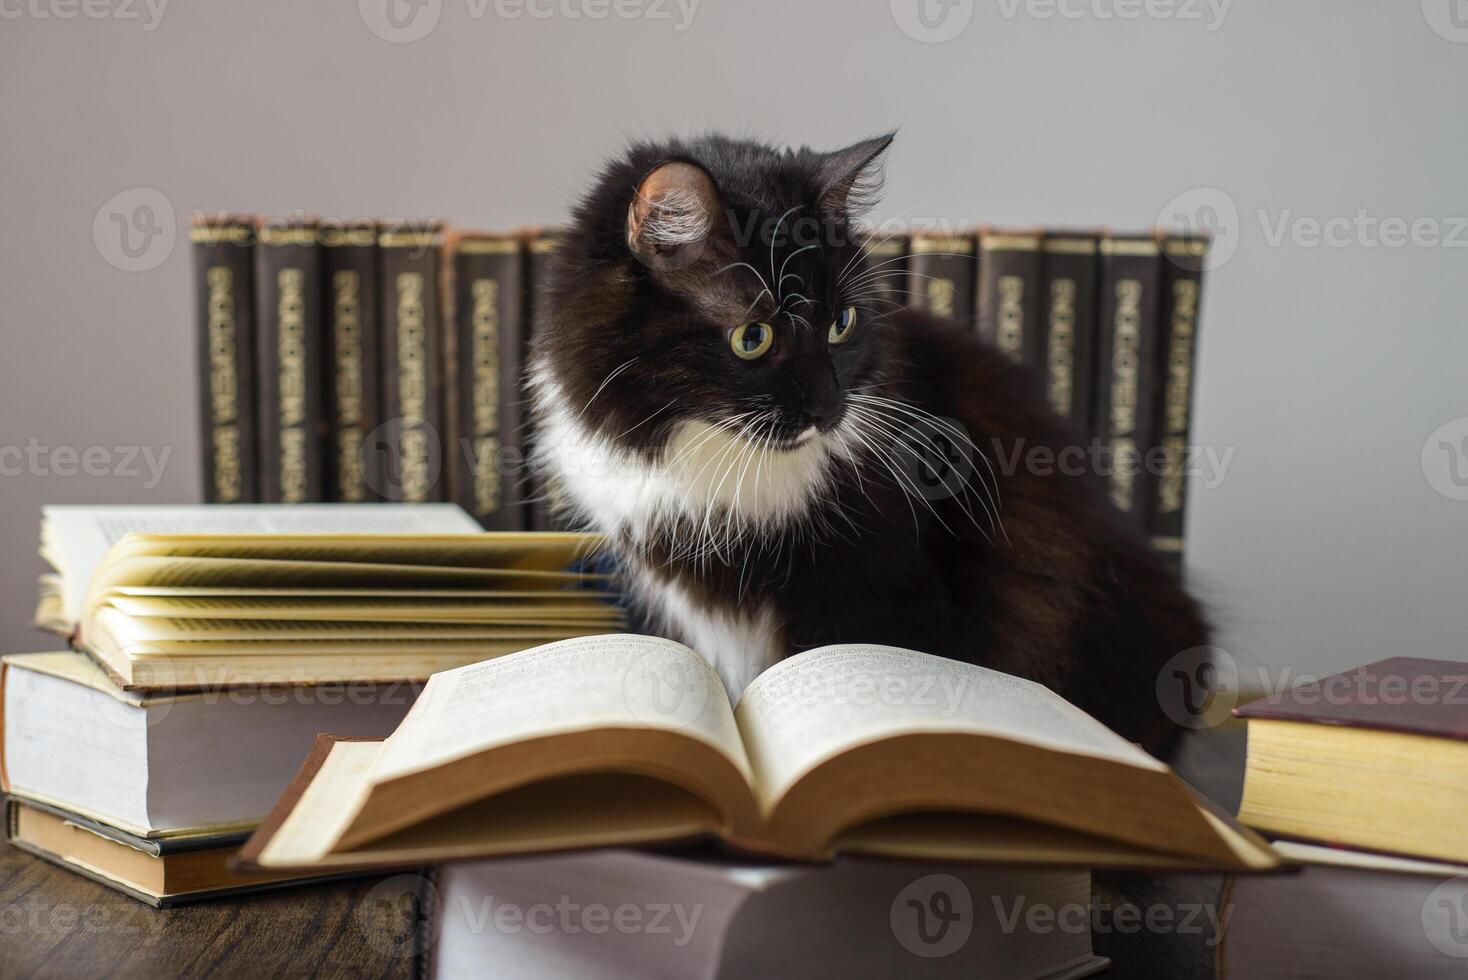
{"x": 1375, "y": 758}
{"x": 941, "y": 274}
{"x": 541, "y": 494}
{"x": 855, "y": 919}
{"x": 487, "y": 458}
{"x": 412, "y": 363}
{"x": 350, "y": 255}
{"x": 1127, "y": 352}
{"x": 1011, "y": 280}
{"x": 225, "y": 292}
{"x": 161, "y": 873}
{"x": 1388, "y": 917}
{"x": 1182, "y": 291}
{"x": 1068, "y": 327}
{"x": 292, "y": 407}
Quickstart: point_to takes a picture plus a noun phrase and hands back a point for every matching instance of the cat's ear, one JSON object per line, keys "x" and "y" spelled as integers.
{"x": 672, "y": 215}
{"x": 851, "y": 178}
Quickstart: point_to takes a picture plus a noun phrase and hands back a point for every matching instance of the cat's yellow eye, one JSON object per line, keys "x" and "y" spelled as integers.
{"x": 843, "y": 326}
{"x": 752, "y": 340}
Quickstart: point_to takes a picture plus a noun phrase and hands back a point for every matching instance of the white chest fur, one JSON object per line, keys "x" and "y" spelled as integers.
{"x": 709, "y": 483}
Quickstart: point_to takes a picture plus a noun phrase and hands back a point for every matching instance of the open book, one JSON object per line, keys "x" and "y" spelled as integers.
{"x": 208, "y": 596}
{"x": 623, "y": 740}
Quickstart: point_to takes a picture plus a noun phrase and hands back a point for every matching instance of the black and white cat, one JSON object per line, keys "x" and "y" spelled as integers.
{"x": 723, "y": 384}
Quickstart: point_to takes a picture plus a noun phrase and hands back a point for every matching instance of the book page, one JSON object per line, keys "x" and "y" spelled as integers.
{"x": 545, "y": 552}
{"x": 813, "y": 706}
{"x": 76, "y": 537}
{"x": 609, "y": 681}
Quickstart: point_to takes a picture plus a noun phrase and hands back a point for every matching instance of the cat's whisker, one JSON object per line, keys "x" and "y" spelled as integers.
{"x": 608, "y": 380}
{"x": 780, "y": 284}
{"x": 648, "y": 419}
{"x": 894, "y": 435}
{"x": 991, "y": 486}
{"x": 775, "y": 235}
{"x": 898, "y": 427}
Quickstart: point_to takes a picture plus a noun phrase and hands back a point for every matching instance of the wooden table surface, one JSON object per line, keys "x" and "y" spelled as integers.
{"x": 57, "y": 924}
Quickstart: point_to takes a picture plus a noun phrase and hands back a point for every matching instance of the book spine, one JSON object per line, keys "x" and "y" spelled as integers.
{"x": 489, "y": 276}
{"x": 292, "y": 409}
{"x": 1127, "y": 370}
{"x": 942, "y": 276}
{"x": 1068, "y": 328}
{"x": 539, "y": 253}
{"x": 410, "y": 266}
{"x": 1010, "y": 278}
{"x": 886, "y": 263}
{"x": 225, "y": 292}
{"x": 1182, "y": 293}
{"x": 351, "y": 296}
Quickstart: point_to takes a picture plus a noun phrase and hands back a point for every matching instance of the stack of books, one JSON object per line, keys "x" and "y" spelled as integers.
{"x": 384, "y": 359}
{"x": 1364, "y": 778}
{"x": 211, "y": 645}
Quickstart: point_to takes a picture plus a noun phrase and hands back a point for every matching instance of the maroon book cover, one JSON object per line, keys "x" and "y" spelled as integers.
{"x": 1402, "y": 694}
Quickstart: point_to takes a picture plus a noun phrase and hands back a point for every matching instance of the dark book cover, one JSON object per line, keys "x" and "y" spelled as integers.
{"x": 1127, "y": 352}
{"x": 353, "y": 400}
{"x": 224, "y": 278}
{"x": 1182, "y": 294}
{"x": 489, "y": 332}
{"x": 1401, "y": 694}
{"x": 412, "y": 454}
{"x": 540, "y": 253}
{"x": 1011, "y": 280}
{"x": 886, "y": 266}
{"x": 941, "y": 275}
{"x": 1068, "y": 327}
{"x": 292, "y": 408}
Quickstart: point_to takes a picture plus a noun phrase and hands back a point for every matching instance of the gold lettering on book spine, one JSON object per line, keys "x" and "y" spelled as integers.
{"x": 1177, "y": 394}
{"x": 1009, "y": 331}
{"x": 291, "y": 350}
{"x": 485, "y": 395}
{"x": 346, "y": 333}
{"x": 942, "y": 295}
{"x": 1060, "y": 349}
{"x": 224, "y": 392}
{"x": 412, "y": 407}
{"x": 1125, "y": 380}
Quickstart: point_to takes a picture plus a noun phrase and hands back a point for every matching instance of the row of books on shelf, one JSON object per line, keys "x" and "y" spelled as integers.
{"x": 384, "y": 360}
{"x": 488, "y": 718}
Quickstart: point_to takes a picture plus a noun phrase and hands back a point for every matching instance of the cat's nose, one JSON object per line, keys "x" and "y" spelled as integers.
{"x": 823, "y": 401}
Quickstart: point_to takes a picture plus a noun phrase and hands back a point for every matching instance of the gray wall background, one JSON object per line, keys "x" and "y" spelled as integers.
{"x": 1325, "y": 368}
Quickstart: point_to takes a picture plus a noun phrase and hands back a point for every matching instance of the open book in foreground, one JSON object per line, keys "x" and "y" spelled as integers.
{"x": 626, "y": 740}
{"x": 179, "y": 598}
